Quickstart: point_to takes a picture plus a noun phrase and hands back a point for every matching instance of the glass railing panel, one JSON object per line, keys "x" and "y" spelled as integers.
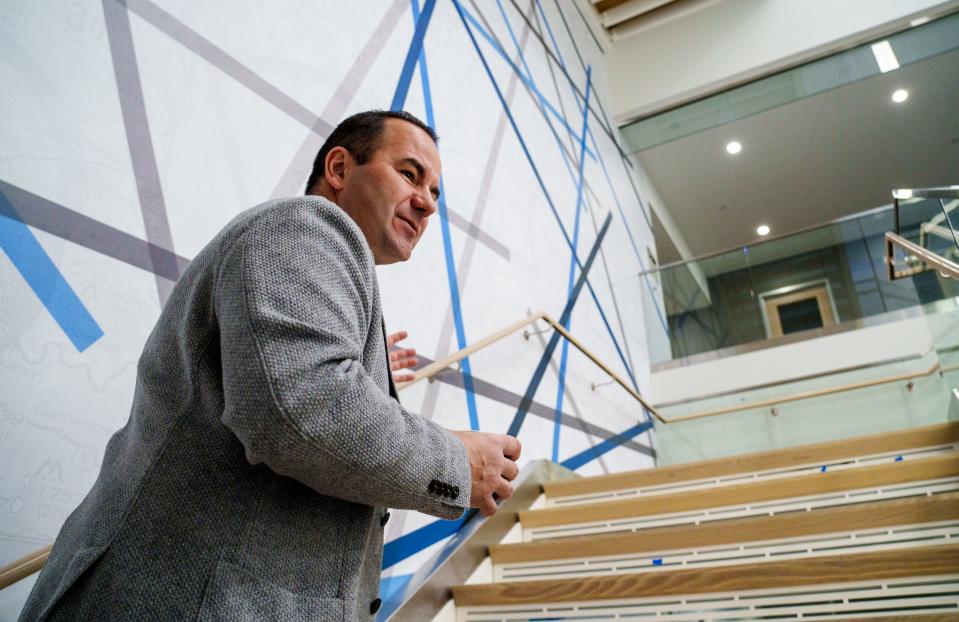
{"x": 811, "y": 280}
{"x": 877, "y": 399}
{"x": 930, "y": 220}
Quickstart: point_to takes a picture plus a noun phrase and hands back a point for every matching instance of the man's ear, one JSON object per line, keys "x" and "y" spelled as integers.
{"x": 337, "y": 167}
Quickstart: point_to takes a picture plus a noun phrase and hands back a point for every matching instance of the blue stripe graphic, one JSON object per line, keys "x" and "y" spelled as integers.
{"x": 416, "y": 45}
{"x": 467, "y": 370}
{"x": 46, "y": 280}
{"x": 602, "y": 163}
{"x": 522, "y": 76}
{"x": 572, "y": 269}
{"x": 574, "y": 462}
{"x": 573, "y": 177}
{"x": 389, "y": 585}
{"x": 411, "y": 543}
{"x": 524, "y": 403}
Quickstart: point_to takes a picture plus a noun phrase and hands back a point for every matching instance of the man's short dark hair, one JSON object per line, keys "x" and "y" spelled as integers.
{"x": 360, "y": 135}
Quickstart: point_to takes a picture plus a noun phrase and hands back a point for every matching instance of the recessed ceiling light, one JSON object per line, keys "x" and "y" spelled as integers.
{"x": 885, "y": 57}
{"x": 919, "y": 21}
{"x": 762, "y": 229}
{"x": 733, "y": 148}
{"x": 900, "y": 96}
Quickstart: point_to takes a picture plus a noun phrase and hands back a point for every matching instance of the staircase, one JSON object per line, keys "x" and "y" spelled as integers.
{"x": 859, "y": 528}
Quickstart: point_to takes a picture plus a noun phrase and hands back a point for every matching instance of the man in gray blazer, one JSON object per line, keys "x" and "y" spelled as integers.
{"x": 265, "y": 441}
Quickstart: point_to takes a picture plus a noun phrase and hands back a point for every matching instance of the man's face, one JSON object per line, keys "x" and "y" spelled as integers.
{"x": 392, "y": 196}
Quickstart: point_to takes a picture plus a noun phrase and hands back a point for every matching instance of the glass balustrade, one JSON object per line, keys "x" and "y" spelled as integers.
{"x": 793, "y": 287}
{"x": 815, "y": 283}
{"x": 930, "y": 219}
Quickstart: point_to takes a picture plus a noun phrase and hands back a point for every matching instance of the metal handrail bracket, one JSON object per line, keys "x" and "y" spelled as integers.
{"x": 940, "y": 263}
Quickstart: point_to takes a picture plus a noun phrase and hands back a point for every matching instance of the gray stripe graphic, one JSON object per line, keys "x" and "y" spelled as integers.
{"x": 472, "y": 229}
{"x": 137, "y": 126}
{"x": 299, "y": 169}
{"x": 205, "y": 49}
{"x": 74, "y": 227}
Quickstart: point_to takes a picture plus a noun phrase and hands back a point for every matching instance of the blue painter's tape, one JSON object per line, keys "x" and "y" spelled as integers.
{"x": 606, "y": 446}
{"x": 46, "y": 280}
{"x": 412, "y": 55}
{"x": 658, "y": 561}
{"x": 465, "y": 366}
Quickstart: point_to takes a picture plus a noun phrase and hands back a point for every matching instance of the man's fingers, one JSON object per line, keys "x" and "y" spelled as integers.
{"x": 512, "y": 448}
{"x": 396, "y": 365}
{"x": 510, "y": 471}
{"x": 404, "y": 353}
{"x": 488, "y": 507}
{"x": 504, "y": 490}
{"x": 395, "y": 337}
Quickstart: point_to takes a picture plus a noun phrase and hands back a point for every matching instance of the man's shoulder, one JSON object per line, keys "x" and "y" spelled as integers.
{"x": 307, "y": 226}
{"x": 308, "y": 209}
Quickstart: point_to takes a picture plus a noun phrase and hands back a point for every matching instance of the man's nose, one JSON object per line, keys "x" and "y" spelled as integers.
{"x": 424, "y": 201}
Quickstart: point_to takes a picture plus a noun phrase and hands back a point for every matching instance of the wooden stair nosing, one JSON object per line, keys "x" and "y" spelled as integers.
{"x": 936, "y": 467}
{"x": 894, "y": 564}
{"x": 870, "y": 515}
{"x": 803, "y": 455}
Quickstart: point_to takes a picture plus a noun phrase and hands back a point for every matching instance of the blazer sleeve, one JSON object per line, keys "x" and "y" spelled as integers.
{"x": 295, "y": 300}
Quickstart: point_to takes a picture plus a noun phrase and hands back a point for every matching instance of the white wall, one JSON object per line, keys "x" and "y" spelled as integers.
{"x": 230, "y": 92}
{"x": 726, "y": 42}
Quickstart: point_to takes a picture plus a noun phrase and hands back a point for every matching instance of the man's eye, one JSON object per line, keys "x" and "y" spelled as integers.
{"x": 409, "y": 175}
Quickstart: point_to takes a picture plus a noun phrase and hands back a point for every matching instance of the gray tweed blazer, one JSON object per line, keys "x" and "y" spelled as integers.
{"x": 251, "y": 479}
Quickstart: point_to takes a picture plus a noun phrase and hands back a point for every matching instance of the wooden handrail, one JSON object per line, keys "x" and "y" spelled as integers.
{"x": 436, "y": 367}
{"x": 863, "y": 516}
{"x": 804, "y": 395}
{"x": 771, "y": 460}
{"x": 23, "y": 567}
{"x": 936, "y": 467}
{"x": 894, "y": 564}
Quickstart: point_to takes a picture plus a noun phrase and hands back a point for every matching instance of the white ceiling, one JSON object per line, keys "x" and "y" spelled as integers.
{"x": 813, "y": 160}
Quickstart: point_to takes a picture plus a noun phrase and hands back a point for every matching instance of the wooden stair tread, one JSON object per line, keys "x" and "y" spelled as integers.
{"x": 871, "y": 515}
{"x": 892, "y": 564}
{"x": 804, "y": 485}
{"x": 899, "y": 440}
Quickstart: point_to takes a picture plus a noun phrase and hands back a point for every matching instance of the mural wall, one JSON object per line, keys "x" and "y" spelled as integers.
{"x": 131, "y": 132}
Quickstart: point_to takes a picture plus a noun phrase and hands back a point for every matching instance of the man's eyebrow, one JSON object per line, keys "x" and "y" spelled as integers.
{"x": 420, "y": 171}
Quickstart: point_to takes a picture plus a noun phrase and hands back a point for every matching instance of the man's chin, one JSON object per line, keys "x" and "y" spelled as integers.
{"x": 395, "y": 256}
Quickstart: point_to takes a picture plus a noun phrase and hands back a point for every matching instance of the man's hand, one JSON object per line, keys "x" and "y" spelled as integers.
{"x": 400, "y": 358}
{"x": 492, "y": 460}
